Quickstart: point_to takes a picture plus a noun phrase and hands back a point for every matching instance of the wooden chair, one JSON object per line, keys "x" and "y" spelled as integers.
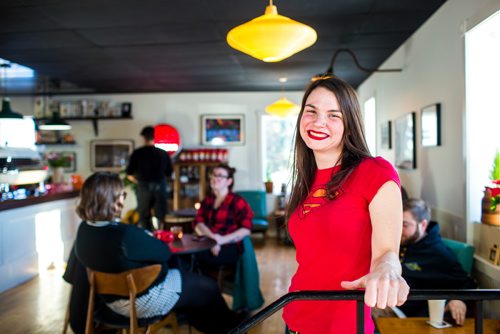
{"x": 126, "y": 284}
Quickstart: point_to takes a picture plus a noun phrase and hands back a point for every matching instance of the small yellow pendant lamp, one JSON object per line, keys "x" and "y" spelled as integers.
{"x": 271, "y": 37}
{"x": 282, "y": 107}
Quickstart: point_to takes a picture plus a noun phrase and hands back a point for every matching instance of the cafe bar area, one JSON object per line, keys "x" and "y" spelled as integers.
{"x": 424, "y": 78}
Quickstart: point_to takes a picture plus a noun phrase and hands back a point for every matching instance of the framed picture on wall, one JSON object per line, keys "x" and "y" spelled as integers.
{"x": 406, "y": 151}
{"x": 386, "y": 135}
{"x": 110, "y": 155}
{"x": 222, "y": 130}
{"x": 430, "y": 125}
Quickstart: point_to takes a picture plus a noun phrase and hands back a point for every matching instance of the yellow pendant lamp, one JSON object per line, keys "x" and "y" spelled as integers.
{"x": 271, "y": 37}
{"x": 282, "y": 107}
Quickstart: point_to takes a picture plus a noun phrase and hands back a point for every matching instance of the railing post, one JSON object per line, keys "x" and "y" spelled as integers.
{"x": 360, "y": 314}
{"x": 478, "y": 319}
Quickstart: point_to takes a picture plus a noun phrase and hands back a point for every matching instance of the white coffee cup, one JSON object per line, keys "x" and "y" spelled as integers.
{"x": 436, "y": 311}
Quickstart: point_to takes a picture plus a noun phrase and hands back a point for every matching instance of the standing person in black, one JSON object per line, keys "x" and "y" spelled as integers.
{"x": 149, "y": 167}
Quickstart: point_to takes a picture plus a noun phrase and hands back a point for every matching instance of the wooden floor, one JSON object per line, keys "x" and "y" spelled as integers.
{"x": 39, "y": 305}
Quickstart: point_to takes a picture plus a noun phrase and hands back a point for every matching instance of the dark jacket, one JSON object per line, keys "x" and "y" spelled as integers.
{"x": 113, "y": 248}
{"x": 430, "y": 264}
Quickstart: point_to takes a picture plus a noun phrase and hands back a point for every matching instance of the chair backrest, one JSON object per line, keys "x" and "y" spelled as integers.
{"x": 126, "y": 284}
{"x": 463, "y": 251}
{"x": 257, "y": 201}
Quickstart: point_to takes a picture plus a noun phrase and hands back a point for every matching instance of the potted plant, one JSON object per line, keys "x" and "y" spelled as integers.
{"x": 58, "y": 161}
{"x": 490, "y": 213}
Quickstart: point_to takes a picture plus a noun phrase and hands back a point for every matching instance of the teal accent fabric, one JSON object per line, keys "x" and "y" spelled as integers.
{"x": 463, "y": 251}
{"x": 246, "y": 289}
{"x": 257, "y": 201}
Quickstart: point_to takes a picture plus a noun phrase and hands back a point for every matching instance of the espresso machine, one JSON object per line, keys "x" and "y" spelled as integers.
{"x": 22, "y": 173}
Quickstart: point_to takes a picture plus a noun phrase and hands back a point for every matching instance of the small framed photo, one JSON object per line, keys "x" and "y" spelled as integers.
{"x": 222, "y": 130}
{"x": 110, "y": 155}
{"x": 430, "y": 125}
{"x": 495, "y": 255}
{"x": 386, "y": 135}
{"x": 406, "y": 150}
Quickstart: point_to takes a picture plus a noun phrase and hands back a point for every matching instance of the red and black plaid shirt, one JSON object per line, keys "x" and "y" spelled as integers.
{"x": 232, "y": 214}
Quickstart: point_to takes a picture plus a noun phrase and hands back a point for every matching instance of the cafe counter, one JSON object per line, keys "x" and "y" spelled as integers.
{"x": 35, "y": 234}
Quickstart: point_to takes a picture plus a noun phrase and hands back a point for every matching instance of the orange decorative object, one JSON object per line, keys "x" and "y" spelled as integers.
{"x": 76, "y": 181}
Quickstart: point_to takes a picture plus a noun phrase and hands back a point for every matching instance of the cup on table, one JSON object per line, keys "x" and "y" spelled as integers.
{"x": 436, "y": 311}
{"x": 177, "y": 232}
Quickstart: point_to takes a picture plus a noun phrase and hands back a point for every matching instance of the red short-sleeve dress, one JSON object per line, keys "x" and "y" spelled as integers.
{"x": 333, "y": 244}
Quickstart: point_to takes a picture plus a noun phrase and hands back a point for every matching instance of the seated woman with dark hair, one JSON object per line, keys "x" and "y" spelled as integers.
{"x": 104, "y": 244}
{"x": 225, "y": 217}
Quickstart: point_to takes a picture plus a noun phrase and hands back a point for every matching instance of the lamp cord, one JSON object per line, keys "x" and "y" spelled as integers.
{"x": 358, "y": 65}
{"x": 4, "y": 66}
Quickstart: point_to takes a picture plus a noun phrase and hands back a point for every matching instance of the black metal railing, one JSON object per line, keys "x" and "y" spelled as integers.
{"x": 477, "y": 295}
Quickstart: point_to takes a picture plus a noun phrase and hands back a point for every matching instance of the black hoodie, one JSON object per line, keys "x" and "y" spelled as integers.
{"x": 430, "y": 264}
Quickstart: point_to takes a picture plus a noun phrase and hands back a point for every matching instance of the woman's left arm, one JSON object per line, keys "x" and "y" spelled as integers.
{"x": 384, "y": 284}
{"x": 235, "y": 236}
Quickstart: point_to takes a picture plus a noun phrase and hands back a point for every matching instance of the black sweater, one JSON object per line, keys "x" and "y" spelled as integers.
{"x": 149, "y": 163}
{"x": 118, "y": 247}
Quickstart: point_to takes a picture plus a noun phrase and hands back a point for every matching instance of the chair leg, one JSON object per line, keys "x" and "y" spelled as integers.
{"x": 66, "y": 318}
{"x": 170, "y": 320}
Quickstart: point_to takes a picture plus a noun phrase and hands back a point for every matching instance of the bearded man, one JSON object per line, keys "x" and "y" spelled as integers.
{"x": 428, "y": 263}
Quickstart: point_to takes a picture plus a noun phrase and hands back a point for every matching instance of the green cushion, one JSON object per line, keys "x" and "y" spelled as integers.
{"x": 463, "y": 251}
{"x": 257, "y": 201}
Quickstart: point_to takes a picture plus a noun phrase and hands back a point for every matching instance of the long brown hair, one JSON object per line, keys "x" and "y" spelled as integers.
{"x": 98, "y": 196}
{"x": 354, "y": 147}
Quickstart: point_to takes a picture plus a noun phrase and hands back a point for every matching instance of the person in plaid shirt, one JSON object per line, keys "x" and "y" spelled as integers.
{"x": 225, "y": 217}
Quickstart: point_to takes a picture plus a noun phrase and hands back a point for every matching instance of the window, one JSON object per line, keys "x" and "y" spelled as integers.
{"x": 277, "y": 140}
{"x": 369, "y": 117}
{"x": 482, "y": 61}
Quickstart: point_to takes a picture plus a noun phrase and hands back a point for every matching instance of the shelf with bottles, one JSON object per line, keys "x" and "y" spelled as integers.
{"x": 204, "y": 155}
{"x": 190, "y": 182}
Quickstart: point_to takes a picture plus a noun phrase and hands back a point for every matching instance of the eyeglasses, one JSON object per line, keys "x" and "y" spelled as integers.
{"x": 218, "y": 176}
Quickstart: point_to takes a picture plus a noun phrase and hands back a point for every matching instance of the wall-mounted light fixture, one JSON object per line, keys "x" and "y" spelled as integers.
{"x": 55, "y": 124}
{"x": 330, "y": 71}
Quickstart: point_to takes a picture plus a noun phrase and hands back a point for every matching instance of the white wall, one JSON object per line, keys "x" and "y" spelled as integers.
{"x": 182, "y": 110}
{"x": 433, "y": 71}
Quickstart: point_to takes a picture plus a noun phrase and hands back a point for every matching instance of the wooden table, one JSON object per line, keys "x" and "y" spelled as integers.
{"x": 419, "y": 326}
{"x": 281, "y": 233}
{"x": 189, "y": 245}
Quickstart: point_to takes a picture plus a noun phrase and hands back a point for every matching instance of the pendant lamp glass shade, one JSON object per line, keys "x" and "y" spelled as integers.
{"x": 282, "y": 108}
{"x": 55, "y": 124}
{"x": 271, "y": 37}
{"x": 7, "y": 112}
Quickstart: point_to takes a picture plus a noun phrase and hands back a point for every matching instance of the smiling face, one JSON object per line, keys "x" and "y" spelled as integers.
{"x": 322, "y": 126}
{"x": 220, "y": 180}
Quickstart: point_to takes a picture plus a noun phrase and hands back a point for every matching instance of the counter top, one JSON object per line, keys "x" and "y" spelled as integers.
{"x": 19, "y": 203}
